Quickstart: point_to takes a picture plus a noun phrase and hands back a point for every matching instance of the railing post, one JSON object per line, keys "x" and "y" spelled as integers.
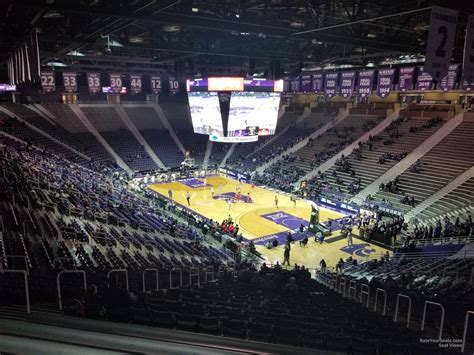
{"x": 409, "y": 308}
{"x": 180, "y": 277}
{"x": 442, "y": 317}
{"x": 464, "y": 334}
{"x": 27, "y": 290}
{"x": 143, "y": 279}
{"x": 342, "y": 284}
{"x": 364, "y": 287}
{"x": 209, "y": 271}
{"x": 58, "y": 283}
{"x": 384, "y": 302}
{"x": 196, "y": 273}
{"x": 120, "y": 270}
{"x": 352, "y": 286}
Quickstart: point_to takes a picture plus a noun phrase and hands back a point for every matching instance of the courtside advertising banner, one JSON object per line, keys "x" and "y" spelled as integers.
{"x": 70, "y": 82}
{"x": 449, "y": 81}
{"x": 47, "y": 81}
{"x": 440, "y": 43}
{"x": 468, "y": 61}
{"x": 384, "y": 84}
{"x": 366, "y": 82}
{"x": 347, "y": 84}
{"x": 317, "y": 85}
{"x": 405, "y": 82}
{"x": 135, "y": 84}
{"x": 115, "y": 82}
{"x": 330, "y": 84}
{"x": 93, "y": 82}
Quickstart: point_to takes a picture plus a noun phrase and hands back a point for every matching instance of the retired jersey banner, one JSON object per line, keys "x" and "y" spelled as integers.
{"x": 449, "y": 81}
{"x": 317, "y": 85}
{"x": 47, "y": 81}
{"x": 440, "y": 43}
{"x": 174, "y": 86}
{"x": 295, "y": 85}
{"x": 425, "y": 80}
{"x": 306, "y": 83}
{"x": 468, "y": 61}
{"x": 93, "y": 82}
{"x": 135, "y": 84}
{"x": 115, "y": 82}
{"x": 155, "y": 83}
{"x": 330, "y": 84}
{"x": 466, "y": 86}
{"x": 384, "y": 83}
{"x": 366, "y": 82}
{"x": 70, "y": 82}
{"x": 347, "y": 84}
{"x": 405, "y": 82}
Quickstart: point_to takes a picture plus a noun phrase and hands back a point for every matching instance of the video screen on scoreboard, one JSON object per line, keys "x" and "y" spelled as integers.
{"x": 205, "y": 113}
{"x": 253, "y": 109}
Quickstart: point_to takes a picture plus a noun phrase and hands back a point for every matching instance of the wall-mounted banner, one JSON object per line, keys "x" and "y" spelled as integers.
{"x": 93, "y": 82}
{"x": 155, "y": 83}
{"x": 384, "y": 84}
{"x": 405, "y": 82}
{"x": 425, "y": 80}
{"x": 286, "y": 84}
{"x": 306, "y": 83}
{"x": 47, "y": 81}
{"x": 467, "y": 86}
{"x": 135, "y": 84}
{"x": 70, "y": 82}
{"x": 347, "y": 84}
{"x": 115, "y": 82}
{"x": 449, "y": 81}
{"x": 440, "y": 43}
{"x": 468, "y": 61}
{"x": 295, "y": 84}
{"x": 330, "y": 84}
{"x": 317, "y": 85}
{"x": 174, "y": 85}
{"x": 366, "y": 82}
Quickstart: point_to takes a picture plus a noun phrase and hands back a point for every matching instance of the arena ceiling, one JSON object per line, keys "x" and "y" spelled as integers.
{"x": 221, "y": 36}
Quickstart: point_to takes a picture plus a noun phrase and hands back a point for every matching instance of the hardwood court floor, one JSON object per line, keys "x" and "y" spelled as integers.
{"x": 256, "y": 219}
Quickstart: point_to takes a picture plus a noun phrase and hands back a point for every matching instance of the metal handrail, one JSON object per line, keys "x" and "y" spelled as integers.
{"x": 180, "y": 277}
{"x": 464, "y": 334}
{"x": 27, "y": 290}
{"x": 409, "y": 307}
{"x": 362, "y": 292}
{"x": 143, "y": 279}
{"x": 442, "y": 317}
{"x": 342, "y": 283}
{"x": 377, "y": 297}
{"x": 352, "y": 286}
{"x": 120, "y": 270}
{"x": 209, "y": 271}
{"x": 196, "y": 273}
{"x": 58, "y": 283}
{"x": 18, "y": 257}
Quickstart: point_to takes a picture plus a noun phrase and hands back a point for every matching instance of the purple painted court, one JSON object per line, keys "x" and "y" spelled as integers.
{"x": 286, "y": 220}
{"x": 193, "y": 183}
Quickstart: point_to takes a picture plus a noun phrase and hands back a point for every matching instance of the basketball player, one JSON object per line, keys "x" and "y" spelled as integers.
{"x": 253, "y": 185}
{"x": 238, "y": 196}
{"x": 212, "y": 191}
{"x": 205, "y": 182}
{"x": 249, "y": 199}
{"x": 188, "y": 197}
{"x": 293, "y": 199}
{"x": 170, "y": 194}
{"x": 219, "y": 188}
{"x": 276, "y": 202}
{"x": 229, "y": 202}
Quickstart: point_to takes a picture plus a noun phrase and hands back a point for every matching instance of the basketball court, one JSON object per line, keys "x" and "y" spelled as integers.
{"x": 261, "y": 221}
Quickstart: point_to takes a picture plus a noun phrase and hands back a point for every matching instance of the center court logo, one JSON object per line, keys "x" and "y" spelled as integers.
{"x": 361, "y": 250}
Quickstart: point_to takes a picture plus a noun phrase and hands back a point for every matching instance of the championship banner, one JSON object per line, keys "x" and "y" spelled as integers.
{"x": 93, "y": 82}
{"x": 384, "y": 84}
{"x": 466, "y": 86}
{"x": 347, "y": 84}
{"x": 440, "y": 43}
{"x": 286, "y": 84}
{"x": 70, "y": 82}
{"x": 405, "y": 81}
{"x": 468, "y": 61}
{"x": 155, "y": 83}
{"x": 174, "y": 85}
{"x": 317, "y": 85}
{"x": 135, "y": 84}
{"x": 295, "y": 85}
{"x": 306, "y": 83}
{"x": 425, "y": 80}
{"x": 330, "y": 84}
{"x": 115, "y": 82}
{"x": 449, "y": 81}
{"x": 366, "y": 82}
{"x": 47, "y": 81}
